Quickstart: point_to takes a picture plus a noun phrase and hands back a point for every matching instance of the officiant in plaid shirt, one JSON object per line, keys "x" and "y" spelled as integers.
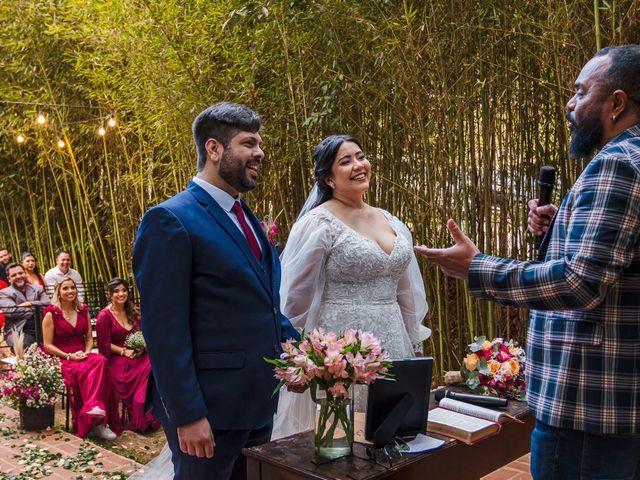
{"x": 583, "y": 341}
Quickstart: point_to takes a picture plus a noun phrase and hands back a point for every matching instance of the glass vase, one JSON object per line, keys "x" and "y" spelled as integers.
{"x": 333, "y": 434}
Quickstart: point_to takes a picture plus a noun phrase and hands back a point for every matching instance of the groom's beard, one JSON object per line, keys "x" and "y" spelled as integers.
{"x": 232, "y": 171}
{"x": 586, "y": 134}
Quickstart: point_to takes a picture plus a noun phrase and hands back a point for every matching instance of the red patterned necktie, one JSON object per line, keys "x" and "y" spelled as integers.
{"x": 248, "y": 233}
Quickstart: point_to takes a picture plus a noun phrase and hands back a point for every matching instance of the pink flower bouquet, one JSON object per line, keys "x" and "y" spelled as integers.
{"x": 35, "y": 381}
{"x": 495, "y": 368}
{"x": 331, "y": 363}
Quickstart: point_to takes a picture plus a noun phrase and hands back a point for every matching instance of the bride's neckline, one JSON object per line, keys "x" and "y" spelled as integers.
{"x": 350, "y": 228}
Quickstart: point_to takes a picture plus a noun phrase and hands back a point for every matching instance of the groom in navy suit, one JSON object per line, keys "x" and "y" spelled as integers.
{"x": 209, "y": 282}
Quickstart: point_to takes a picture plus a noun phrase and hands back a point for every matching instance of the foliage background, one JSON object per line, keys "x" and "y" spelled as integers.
{"x": 458, "y": 104}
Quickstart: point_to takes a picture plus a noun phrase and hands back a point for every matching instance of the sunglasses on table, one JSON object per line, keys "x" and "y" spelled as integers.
{"x": 391, "y": 452}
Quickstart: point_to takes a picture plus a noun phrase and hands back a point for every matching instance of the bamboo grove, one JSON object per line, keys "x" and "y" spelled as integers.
{"x": 458, "y": 104}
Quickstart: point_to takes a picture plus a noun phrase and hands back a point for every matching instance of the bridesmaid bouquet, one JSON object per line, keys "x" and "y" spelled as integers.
{"x": 34, "y": 381}
{"x": 135, "y": 341}
{"x": 331, "y": 363}
{"x": 495, "y": 367}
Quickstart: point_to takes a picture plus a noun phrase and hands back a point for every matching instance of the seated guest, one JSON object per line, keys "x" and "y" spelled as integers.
{"x": 5, "y": 260}
{"x": 34, "y": 277}
{"x": 67, "y": 334}
{"x": 18, "y": 302}
{"x": 3, "y": 284}
{"x": 63, "y": 268}
{"x": 130, "y": 369}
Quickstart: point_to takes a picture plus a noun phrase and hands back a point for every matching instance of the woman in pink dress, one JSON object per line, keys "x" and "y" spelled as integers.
{"x": 130, "y": 369}
{"x": 34, "y": 277}
{"x": 67, "y": 334}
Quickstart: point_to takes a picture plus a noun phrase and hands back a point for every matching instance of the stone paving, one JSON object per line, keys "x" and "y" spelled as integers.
{"x": 14, "y": 445}
{"x": 516, "y": 470}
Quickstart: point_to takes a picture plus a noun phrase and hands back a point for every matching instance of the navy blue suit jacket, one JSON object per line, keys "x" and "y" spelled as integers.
{"x": 210, "y": 312}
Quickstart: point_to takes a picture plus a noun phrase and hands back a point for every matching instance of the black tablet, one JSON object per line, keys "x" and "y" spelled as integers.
{"x": 399, "y": 407}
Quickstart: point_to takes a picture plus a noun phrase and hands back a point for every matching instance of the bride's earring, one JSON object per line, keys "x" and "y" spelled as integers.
{"x": 332, "y": 185}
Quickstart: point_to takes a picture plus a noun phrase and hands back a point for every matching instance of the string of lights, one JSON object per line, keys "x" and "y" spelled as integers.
{"x": 41, "y": 119}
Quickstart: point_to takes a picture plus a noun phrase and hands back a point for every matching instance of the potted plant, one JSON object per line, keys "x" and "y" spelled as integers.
{"x": 329, "y": 365}
{"x": 32, "y": 386}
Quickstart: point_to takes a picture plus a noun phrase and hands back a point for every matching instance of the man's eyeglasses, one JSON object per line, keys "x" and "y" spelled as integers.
{"x": 391, "y": 452}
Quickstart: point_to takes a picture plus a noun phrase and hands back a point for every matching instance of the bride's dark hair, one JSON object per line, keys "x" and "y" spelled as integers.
{"x": 323, "y": 157}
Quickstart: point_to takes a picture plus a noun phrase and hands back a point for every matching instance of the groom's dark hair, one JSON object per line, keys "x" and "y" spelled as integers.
{"x": 222, "y": 121}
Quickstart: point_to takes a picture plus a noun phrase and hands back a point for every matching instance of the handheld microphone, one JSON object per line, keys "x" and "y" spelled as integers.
{"x": 546, "y": 182}
{"x": 481, "y": 400}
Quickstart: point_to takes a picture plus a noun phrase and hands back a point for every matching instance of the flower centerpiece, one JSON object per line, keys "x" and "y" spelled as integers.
{"x": 495, "y": 368}
{"x": 32, "y": 386}
{"x": 328, "y": 364}
{"x": 135, "y": 341}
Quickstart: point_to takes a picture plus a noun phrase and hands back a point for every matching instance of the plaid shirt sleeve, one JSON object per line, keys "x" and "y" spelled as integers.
{"x": 592, "y": 242}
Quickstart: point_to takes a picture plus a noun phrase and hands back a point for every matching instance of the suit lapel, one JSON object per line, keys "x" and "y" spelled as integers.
{"x": 267, "y": 249}
{"x": 20, "y": 297}
{"x": 229, "y": 227}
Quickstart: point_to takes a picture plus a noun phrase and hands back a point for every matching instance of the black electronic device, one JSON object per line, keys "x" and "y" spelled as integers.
{"x": 480, "y": 400}
{"x": 399, "y": 407}
{"x": 546, "y": 183}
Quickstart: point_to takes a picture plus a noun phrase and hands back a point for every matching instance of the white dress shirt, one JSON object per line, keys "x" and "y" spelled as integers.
{"x": 226, "y": 202}
{"x": 52, "y": 276}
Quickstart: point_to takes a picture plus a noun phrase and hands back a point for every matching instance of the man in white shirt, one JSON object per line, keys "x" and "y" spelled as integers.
{"x": 63, "y": 268}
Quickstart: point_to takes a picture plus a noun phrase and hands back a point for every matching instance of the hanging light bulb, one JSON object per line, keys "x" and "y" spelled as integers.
{"x": 111, "y": 122}
{"x": 60, "y": 143}
{"x": 20, "y": 138}
{"x": 102, "y": 131}
{"x": 41, "y": 120}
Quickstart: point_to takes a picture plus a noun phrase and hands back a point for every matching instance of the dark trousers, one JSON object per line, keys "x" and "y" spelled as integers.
{"x": 227, "y": 463}
{"x": 561, "y": 454}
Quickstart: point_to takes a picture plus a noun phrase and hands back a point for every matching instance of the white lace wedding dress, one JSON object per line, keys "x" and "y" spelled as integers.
{"x": 335, "y": 278}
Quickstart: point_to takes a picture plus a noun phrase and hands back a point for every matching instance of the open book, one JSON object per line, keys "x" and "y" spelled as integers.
{"x": 465, "y": 422}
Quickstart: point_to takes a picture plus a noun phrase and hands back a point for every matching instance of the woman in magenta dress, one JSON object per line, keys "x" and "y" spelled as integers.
{"x": 67, "y": 334}
{"x": 34, "y": 277}
{"x": 130, "y": 370}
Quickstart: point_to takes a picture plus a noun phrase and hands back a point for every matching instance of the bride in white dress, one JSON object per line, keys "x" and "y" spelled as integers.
{"x": 348, "y": 265}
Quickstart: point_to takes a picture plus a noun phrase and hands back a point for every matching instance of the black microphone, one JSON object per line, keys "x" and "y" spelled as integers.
{"x": 546, "y": 182}
{"x": 482, "y": 400}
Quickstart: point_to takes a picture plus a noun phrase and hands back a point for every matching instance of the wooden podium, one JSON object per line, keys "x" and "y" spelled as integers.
{"x": 293, "y": 458}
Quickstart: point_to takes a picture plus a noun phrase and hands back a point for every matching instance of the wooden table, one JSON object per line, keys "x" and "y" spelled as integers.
{"x": 293, "y": 458}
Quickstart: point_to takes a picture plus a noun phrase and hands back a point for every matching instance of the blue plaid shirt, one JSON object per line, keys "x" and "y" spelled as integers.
{"x": 583, "y": 343}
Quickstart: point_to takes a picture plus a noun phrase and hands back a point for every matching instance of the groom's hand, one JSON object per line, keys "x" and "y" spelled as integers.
{"x": 197, "y": 438}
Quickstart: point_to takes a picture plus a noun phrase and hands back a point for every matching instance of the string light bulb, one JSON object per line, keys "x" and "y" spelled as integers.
{"x": 102, "y": 131}
{"x": 20, "y": 138}
{"x": 60, "y": 143}
{"x": 41, "y": 120}
{"x": 111, "y": 122}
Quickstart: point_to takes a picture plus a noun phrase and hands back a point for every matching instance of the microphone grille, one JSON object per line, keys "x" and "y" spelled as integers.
{"x": 547, "y": 175}
{"x": 439, "y": 394}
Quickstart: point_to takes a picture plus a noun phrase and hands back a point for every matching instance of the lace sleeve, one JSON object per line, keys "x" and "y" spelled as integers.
{"x": 412, "y": 297}
{"x": 303, "y": 269}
